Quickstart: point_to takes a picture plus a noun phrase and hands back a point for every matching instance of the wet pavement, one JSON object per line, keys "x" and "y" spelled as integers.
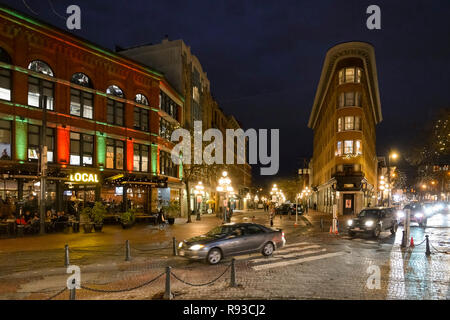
{"x": 313, "y": 265}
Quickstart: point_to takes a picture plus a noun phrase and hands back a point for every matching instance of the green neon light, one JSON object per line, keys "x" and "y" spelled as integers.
{"x": 154, "y": 157}
{"x": 180, "y": 168}
{"x": 101, "y": 150}
{"x": 21, "y": 140}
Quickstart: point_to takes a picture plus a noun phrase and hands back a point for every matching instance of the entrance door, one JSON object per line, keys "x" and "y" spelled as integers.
{"x": 349, "y": 203}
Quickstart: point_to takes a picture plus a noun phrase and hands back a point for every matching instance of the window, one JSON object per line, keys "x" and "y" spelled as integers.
{"x": 140, "y": 158}
{"x": 349, "y": 99}
{"x": 5, "y": 77}
{"x": 358, "y": 147}
{"x": 339, "y": 148}
{"x": 141, "y": 99}
{"x": 41, "y": 67}
{"x": 40, "y": 92}
{"x": 167, "y": 167}
{"x": 81, "y": 102}
{"x": 348, "y": 147}
{"x": 167, "y": 105}
{"x": 251, "y": 229}
{"x": 81, "y": 149}
{"x": 165, "y": 129}
{"x": 357, "y": 123}
{"x": 141, "y": 119}
{"x": 114, "y": 113}
{"x": 351, "y": 74}
{"x": 339, "y": 125}
{"x": 114, "y": 154}
{"x": 34, "y": 142}
{"x": 115, "y": 91}
{"x": 349, "y": 123}
{"x": 5, "y": 140}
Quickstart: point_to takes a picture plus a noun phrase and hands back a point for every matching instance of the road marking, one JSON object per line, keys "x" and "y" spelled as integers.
{"x": 292, "y": 255}
{"x": 295, "y": 244}
{"x": 282, "y": 251}
{"x": 296, "y": 261}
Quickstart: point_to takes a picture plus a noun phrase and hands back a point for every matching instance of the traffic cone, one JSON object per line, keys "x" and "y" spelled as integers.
{"x": 412, "y": 243}
{"x": 336, "y": 231}
{"x": 331, "y": 230}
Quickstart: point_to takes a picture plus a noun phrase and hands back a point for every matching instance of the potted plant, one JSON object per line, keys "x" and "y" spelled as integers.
{"x": 127, "y": 219}
{"x": 98, "y": 214}
{"x": 86, "y": 219}
{"x": 172, "y": 210}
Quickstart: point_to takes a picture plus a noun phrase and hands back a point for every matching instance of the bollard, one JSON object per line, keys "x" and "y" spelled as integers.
{"x": 198, "y": 216}
{"x": 66, "y": 256}
{"x": 167, "y": 294}
{"x": 233, "y": 273}
{"x": 427, "y": 252}
{"x": 127, "y": 250}
{"x": 321, "y": 224}
{"x": 72, "y": 291}
{"x": 403, "y": 245}
{"x": 174, "y": 246}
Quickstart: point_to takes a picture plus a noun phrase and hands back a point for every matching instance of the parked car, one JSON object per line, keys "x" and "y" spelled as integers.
{"x": 300, "y": 208}
{"x": 418, "y": 214}
{"x": 373, "y": 221}
{"x": 284, "y": 208}
{"x": 232, "y": 239}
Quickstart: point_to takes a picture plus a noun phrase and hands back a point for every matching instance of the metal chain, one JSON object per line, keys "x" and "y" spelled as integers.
{"x": 122, "y": 247}
{"x": 124, "y": 290}
{"x": 420, "y": 243}
{"x": 54, "y": 296}
{"x": 152, "y": 249}
{"x": 202, "y": 284}
{"x": 447, "y": 252}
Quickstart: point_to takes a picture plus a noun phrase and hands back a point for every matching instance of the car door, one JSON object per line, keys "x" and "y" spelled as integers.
{"x": 385, "y": 219}
{"x": 254, "y": 238}
{"x": 232, "y": 243}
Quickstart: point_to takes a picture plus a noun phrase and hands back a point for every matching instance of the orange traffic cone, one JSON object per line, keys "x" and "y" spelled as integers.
{"x": 412, "y": 243}
{"x": 336, "y": 231}
{"x": 331, "y": 230}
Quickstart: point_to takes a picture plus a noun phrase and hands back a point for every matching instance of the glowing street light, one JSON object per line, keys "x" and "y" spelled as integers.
{"x": 225, "y": 186}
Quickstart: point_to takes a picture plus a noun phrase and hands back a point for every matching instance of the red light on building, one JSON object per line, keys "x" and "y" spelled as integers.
{"x": 130, "y": 155}
{"x": 63, "y": 150}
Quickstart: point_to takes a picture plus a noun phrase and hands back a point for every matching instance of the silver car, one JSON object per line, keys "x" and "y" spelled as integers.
{"x": 232, "y": 239}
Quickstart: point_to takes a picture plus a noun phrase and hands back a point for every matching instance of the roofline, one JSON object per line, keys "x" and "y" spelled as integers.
{"x": 354, "y": 49}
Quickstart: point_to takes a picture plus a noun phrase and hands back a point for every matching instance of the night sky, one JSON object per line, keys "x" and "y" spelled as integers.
{"x": 264, "y": 58}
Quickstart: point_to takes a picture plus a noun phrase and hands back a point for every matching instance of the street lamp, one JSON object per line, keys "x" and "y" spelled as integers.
{"x": 225, "y": 186}
{"x": 199, "y": 192}
{"x": 394, "y": 156}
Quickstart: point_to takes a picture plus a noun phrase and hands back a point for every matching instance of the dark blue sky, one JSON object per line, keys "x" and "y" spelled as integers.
{"x": 264, "y": 58}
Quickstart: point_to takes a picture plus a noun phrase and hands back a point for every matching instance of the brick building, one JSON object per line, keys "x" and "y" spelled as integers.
{"x": 108, "y": 120}
{"x": 344, "y": 116}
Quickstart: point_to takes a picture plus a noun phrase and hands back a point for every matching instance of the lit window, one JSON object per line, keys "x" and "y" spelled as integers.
{"x": 140, "y": 158}
{"x": 339, "y": 124}
{"x": 114, "y": 154}
{"x": 41, "y": 67}
{"x": 141, "y": 99}
{"x": 339, "y": 148}
{"x": 81, "y": 104}
{"x": 348, "y": 147}
{"x": 81, "y": 149}
{"x": 349, "y": 123}
{"x": 40, "y": 92}
{"x": 5, "y": 77}
{"x": 350, "y": 75}
{"x": 357, "y": 123}
{"x": 5, "y": 140}
{"x": 349, "y": 99}
{"x": 358, "y": 147}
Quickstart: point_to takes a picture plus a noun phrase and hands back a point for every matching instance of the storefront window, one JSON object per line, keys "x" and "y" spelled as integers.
{"x": 5, "y": 140}
{"x": 114, "y": 154}
{"x": 81, "y": 149}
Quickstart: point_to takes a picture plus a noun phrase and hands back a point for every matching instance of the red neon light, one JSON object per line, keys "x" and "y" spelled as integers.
{"x": 130, "y": 155}
{"x": 63, "y": 147}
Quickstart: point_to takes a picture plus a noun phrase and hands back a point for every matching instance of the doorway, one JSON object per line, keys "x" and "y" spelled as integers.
{"x": 349, "y": 203}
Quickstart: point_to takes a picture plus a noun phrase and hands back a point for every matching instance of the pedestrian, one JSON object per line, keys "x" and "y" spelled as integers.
{"x": 271, "y": 215}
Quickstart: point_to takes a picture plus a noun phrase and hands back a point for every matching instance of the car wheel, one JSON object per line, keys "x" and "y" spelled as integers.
{"x": 377, "y": 231}
{"x": 394, "y": 229}
{"x": 268, "y": 249}
{"x": 214, "y": 256}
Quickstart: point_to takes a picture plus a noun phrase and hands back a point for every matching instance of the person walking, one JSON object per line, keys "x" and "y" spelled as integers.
{"x": 271, "y": 215}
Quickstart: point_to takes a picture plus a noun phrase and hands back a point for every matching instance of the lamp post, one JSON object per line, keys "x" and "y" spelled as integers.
{"x": 225, "y": 186}
{"x": 394, "y": 156}
{"x": 199, "y": 193}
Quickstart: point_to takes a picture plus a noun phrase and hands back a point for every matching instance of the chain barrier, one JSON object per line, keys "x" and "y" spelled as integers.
{"x": 112, "y": 251}
{"x": 123, "y": 290}
{"x": 201, "y": 284}
{"x": 421, "y": 242}
{"x": 446, "y": 252}
{"x": 150, "y": 249}
{"x": 57, "y": 294}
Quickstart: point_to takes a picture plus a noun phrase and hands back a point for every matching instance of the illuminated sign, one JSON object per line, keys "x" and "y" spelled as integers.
{"x": 83, "y": 177}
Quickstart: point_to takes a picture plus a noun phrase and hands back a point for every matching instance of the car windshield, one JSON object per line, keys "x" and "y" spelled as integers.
{"x": 220, "y": 231}
{"x": 369, "y": 214}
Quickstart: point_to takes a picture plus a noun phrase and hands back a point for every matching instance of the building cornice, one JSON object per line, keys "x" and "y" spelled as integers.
{"x": 360, "y": 50}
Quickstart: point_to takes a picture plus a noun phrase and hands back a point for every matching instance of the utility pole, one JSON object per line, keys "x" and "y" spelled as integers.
{"x": 43, "y": 166}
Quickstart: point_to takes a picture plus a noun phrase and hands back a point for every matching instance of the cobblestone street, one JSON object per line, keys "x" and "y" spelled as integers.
{"x": 312, "y": 265}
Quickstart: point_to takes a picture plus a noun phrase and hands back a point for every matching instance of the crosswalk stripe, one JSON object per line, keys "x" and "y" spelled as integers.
{"x": 282, "y": 251}
{"x": 292, "y": 255}
{"x": 296, "y": 261}
{"x": 295, "y": 244}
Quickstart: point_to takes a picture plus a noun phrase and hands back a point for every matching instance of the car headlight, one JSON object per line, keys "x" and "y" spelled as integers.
{"x": 418, "y": 215}
{"x": 180, "y": 244}
{"x": 400, "y": 214}
{"x": 196, "y": 247}
{"x": 349, "y": 222}
{"x": 428, "y": 211}
{"x": 369, "y": 223}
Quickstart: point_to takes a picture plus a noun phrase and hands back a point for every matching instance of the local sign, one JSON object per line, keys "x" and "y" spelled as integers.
{"x": 83, "y": 177}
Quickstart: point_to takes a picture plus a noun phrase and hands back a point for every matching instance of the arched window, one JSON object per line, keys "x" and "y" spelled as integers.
{"x": 40, "y": 91}
{"x": 115, "y": 109}
{"x": 115, "y": 91}
{"x": 81, "y": 102}
{"x": 141, "y": 115}
{"x": 5, "y": 77}
{"x": 141, "y": 99}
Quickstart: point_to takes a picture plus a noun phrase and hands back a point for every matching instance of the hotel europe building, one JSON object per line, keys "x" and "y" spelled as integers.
{"x": 345, "y": 113}
{"x": 108, "y": 120}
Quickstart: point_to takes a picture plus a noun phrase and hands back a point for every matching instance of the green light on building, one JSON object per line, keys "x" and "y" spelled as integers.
{"x": 101, "y": 150}
{"x": 21, "y": 140}
{"x": 154, "y": 155}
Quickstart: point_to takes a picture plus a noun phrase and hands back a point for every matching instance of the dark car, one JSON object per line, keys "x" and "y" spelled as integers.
{"x": 232, "y": 239}
{"x": 285, "y": 208}
{"x": 373, "y": 221}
